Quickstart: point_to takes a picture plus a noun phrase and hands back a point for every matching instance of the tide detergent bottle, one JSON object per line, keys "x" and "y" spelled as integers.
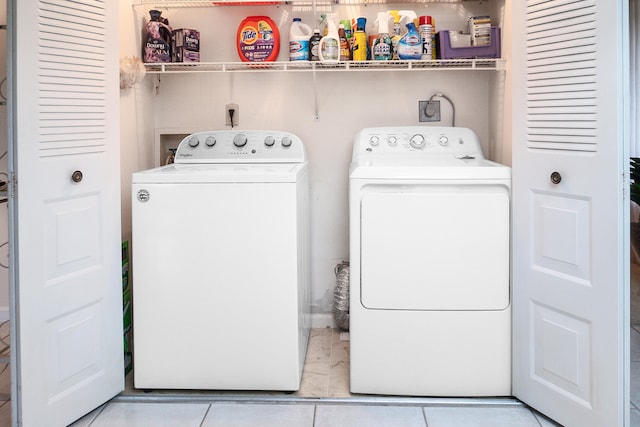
{"x": 410, "y": 45}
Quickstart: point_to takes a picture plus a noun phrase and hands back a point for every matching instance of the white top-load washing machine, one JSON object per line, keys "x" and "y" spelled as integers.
{"x": 430, "y": 311}
{"x": 221, "y": 281}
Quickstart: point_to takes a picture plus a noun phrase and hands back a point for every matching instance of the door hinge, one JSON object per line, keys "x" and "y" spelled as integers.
{"x": 12, "y": 185}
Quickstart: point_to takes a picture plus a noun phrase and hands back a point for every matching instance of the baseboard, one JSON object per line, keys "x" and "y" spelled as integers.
{"x": 322, "y": 320}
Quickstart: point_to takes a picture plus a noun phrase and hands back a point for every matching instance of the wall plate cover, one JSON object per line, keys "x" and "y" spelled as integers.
{"x": 429, "y": 111}
{"x": 236, "y": 115}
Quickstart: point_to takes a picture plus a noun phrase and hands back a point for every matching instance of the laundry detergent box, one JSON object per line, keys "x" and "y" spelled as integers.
{"x": 185, "y": 45}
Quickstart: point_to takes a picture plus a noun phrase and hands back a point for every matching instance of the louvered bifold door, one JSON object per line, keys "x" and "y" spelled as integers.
{"x": 570, "y": 254}
{"x": 561, "y": 76}
{"x": 65, "y": 210}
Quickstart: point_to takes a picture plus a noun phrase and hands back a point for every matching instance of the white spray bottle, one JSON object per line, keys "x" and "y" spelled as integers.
{"x": 397, "y": 33}
{"x": 329, "y": 47}
{"x": 382, "y": 50}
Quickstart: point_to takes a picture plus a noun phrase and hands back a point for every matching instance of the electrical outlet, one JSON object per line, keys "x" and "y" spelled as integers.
{"x": 229, "y": 116}
{"x": 429, "y": 111}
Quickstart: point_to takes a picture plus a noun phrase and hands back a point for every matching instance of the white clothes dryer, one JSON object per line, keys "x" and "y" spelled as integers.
{"x": 430, "y": 310}
{"x": 221, "y": 279}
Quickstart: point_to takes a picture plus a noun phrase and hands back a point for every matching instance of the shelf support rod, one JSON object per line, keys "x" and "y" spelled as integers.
{"x": 315, "y": 94}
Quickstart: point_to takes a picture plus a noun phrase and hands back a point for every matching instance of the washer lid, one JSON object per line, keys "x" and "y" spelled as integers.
{"x": 221, "y": 173}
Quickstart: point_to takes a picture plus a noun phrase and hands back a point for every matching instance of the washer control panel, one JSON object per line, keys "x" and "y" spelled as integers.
{"x": 417, "y": 141}
{"x": 248, "y": 146}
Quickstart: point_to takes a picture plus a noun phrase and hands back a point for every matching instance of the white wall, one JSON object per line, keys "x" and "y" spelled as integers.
{"x": 136, "y": 109}
{"x": 346, "y": 102}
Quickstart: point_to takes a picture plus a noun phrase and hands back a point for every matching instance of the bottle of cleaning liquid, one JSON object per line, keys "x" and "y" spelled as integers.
{"x": 314, "y": 43}
{"x": 397, "y": 33}
{"x": 372, "y": 34}
{"x": 299, "y": 35}
{"x": 360, "y": 41}
{"x": 347, "y": 28}
{"x": 410, "y": 45}
{"x": 382, "y": 50}
{"x": 329, "y": 48}
{"x": 434, "y": 55}
{"x": 345, "y": 48}
{"x": 322, "y": 23}
{"x": 349, "y": 33}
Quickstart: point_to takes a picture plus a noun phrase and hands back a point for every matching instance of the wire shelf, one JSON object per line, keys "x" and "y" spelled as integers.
{"x": 293, "y": 66}
{"x": 167, "y": 4}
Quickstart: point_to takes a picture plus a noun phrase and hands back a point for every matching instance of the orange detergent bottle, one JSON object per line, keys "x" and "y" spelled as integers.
{"x": 258, "y": 39}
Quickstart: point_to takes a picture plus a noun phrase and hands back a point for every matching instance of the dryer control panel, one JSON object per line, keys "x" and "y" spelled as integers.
{"x": 417, "y": 141}
{"x": 249, "y": 146}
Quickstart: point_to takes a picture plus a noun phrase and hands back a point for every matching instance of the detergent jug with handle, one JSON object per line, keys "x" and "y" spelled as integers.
{"x": 299, "y": 35}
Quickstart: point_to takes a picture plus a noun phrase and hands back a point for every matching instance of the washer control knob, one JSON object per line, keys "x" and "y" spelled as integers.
{"x": 269, "y": 141}
{"x": 417, "y": 141}
{"x": 193, "y": 142}
{"x": 374, "y": 140}
{"x": 392, "y": 140}
{"x": 240, "y": 140}
{"x": 443, "y": 140}
{"x": 286, "y": 141}
{"x": 210, "y": 141}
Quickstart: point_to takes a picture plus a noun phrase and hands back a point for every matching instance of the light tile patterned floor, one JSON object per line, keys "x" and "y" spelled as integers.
{"x": 326, "y": 376}
{"x": 127, "y": 414}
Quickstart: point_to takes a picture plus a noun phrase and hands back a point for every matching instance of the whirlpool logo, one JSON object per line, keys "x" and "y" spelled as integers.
{"x": 143, "y": 196}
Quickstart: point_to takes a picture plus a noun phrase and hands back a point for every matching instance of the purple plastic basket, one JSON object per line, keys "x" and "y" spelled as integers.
{"x": 445, "y": 51}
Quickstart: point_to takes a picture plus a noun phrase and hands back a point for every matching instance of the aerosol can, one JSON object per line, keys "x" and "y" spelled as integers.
{"x": 360, "y": 41}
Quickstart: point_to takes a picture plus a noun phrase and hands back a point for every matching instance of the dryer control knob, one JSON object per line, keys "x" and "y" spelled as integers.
{"x": 269, "y": 141}
{"x": 210, "y": 141}
{"x": 392, "y": 140}
{"x": 240, "y": 140}
{"x": 374, "y": 140}
{"x": 193, "y": 142}
{"x": 286, "y": 141}
{"x": 443, "y": 140}
{"x": 417, "y": 141}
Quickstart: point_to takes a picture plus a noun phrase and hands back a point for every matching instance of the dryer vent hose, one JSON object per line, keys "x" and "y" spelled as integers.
{"x": 341, "y": 296}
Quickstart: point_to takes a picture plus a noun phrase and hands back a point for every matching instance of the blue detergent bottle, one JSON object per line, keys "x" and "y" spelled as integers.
{"x": 410, "y": 45}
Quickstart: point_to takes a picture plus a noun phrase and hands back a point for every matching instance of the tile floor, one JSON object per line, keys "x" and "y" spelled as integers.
{"x": 323, "y": 400}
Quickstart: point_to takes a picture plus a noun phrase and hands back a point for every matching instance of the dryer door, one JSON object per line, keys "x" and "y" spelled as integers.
{"x": 435, "y": 247}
